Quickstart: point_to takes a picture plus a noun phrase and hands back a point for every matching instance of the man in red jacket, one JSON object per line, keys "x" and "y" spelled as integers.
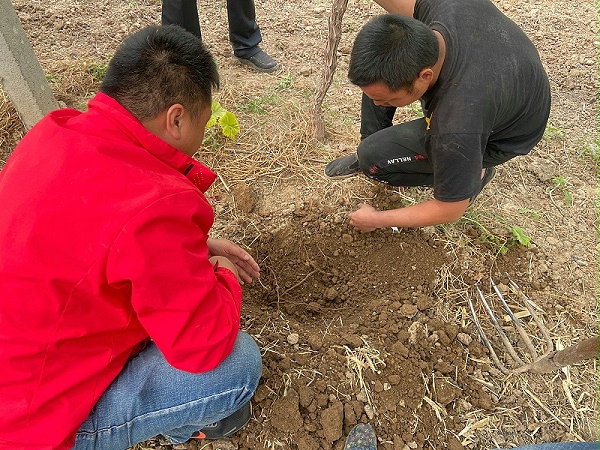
{"x": 119, "y": 315}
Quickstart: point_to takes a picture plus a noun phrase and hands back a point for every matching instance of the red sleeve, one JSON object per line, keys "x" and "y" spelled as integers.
{"x": 191, "y": 311}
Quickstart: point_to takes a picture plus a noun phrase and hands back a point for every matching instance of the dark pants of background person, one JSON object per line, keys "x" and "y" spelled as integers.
{"x": 395, "y": 154}
{"x": 244, "y": 33}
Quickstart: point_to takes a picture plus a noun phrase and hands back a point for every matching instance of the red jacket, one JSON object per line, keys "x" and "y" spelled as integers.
{"x": 103, "y": 230}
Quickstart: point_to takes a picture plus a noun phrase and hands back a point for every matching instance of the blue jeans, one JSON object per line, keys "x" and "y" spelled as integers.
{"x": 561, "y": 446}
{"x": 150, "y": 397}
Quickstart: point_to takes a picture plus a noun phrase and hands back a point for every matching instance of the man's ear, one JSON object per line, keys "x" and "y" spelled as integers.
{"x": 426, "y": 75}
{"x": 174, "y": 120}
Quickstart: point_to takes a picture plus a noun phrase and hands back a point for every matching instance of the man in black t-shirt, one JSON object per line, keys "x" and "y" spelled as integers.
{"x": 485, "y": 98}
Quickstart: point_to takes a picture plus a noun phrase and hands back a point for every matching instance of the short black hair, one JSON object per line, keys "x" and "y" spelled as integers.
{"x": 392, "y": 49}
{"x": 159, "y": 66}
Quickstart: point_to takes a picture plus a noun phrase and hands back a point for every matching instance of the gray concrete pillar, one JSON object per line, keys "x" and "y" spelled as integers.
{"x": 20, "y": 72}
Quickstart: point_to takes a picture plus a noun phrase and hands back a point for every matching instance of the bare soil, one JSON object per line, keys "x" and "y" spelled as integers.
{"x": 376, "y": 327}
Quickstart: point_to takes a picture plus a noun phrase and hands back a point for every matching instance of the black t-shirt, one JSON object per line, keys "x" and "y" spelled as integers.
{"x": 492, "y": 94}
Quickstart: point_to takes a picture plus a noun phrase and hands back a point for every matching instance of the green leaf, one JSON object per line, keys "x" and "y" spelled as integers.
{"x": 217, "y": 110}
{"x": 519, "y": 235}
{"x": 211, "y": 122}
{"x": 229, "y": 125}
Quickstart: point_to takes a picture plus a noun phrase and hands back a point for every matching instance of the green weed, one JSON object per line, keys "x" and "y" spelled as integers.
{"x": 589, "y": 153}
{"x": 415, "y": 107}
{"x": 96, "y": 69}
{"x": 519, "y": 236}
{"x": 500, "y": 241}
{"x": 531, "y": 213}
{"x": 257, "y": 105}
{"x": 552, "y": 132}
{"x": 286, "y": 81}
{"x": 350, "y": 24}
{"x": 561, "y": 184}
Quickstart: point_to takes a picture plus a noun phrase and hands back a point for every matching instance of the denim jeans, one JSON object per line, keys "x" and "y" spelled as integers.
{"x": 561, "y": 446}
{"x": 150, "y": 397}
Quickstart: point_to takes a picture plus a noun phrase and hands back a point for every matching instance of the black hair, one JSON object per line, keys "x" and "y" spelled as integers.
{"x": 159, "y": 66}
{"x": 392, "y": 49}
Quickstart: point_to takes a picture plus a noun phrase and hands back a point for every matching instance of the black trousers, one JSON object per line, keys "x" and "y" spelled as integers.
{"x": 395, "y": 154}
{"x": 244, "y": 33}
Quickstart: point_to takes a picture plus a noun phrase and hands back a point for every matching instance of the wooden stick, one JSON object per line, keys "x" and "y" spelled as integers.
{"x": 583, "y": 350}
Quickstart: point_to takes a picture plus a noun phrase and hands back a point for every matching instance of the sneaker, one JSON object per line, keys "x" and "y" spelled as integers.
{"x": 361, "y": 437}
{"x": 227, "y": 426}
{"x": 260, "y": 61}
{"x": 489, "y": 173}
{"x": 344, "y": 167}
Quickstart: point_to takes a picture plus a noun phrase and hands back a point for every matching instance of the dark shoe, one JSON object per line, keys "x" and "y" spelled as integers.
{"x": 259, "y": 61}
{"x": 361, "y": 437}
{"x": 489, "y": 173}
{"x": 343, "y": 167}
{"x": 227, "y": 426}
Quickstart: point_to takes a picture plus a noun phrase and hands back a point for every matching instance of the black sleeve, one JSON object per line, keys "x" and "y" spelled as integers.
{"x": 457, "y": 165}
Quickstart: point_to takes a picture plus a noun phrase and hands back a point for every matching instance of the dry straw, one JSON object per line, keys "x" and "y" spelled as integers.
{"x": 11, "y": 127}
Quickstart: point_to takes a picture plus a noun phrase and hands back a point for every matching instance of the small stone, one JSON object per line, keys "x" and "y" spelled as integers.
{"x": 399, "y": 349}
{"x": 293, "y": 338}
{"x": 408, "y": 310}
{"x": 331, "y": 293}
{"x": 395, "y": 379}
{"x": 414, "y": 331}
{"x": 464, "y": 338}
{"x": 369, "y": 411}
{"x": 361, "y": 397}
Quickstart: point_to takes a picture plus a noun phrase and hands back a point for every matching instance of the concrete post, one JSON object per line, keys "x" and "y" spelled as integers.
{"x": 20, "y": 72}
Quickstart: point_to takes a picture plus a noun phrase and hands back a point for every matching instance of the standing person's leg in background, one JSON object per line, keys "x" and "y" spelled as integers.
{"x": 183, "y": 13}
{"x": 244, "y": 35}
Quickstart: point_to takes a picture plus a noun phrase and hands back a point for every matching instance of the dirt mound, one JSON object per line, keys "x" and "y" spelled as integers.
{"x": 362, "y": 340}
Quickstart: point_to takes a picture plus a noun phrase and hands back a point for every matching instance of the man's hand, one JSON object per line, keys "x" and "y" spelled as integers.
{"x": 431, "y": 212}
{"x": 246, "y": 268}
{"x": 364, "y": 218}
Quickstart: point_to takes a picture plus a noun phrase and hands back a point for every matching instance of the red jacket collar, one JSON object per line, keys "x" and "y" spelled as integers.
{"x": 196, "y": 172}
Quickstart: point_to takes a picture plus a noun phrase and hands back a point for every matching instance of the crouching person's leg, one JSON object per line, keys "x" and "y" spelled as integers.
{"x": 396, "y": 155}
{"x": 150, "y": 397}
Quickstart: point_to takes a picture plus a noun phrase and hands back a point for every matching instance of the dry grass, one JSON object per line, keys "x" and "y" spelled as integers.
{"x": 11, "y": 127}
{"x": 286, "y": 152}
{"x": 360, "y": 359}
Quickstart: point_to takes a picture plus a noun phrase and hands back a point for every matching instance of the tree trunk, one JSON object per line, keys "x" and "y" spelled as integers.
{"x": 335, "y": 33}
